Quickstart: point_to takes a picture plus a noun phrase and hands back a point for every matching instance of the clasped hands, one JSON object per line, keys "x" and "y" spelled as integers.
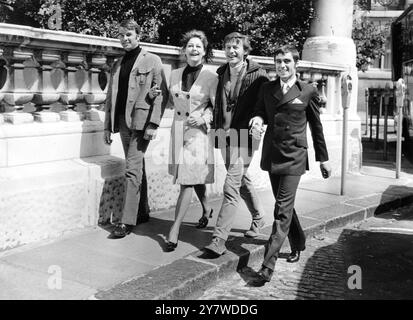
{"x": 256, "y": 127}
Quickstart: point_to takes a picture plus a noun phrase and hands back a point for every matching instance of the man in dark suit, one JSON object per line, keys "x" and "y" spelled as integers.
{"x": 136, "y": 116}
{"x": 286, "y": 105}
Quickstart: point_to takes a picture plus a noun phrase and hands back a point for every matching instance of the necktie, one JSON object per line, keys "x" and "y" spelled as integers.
{"x": 285, "y": 88}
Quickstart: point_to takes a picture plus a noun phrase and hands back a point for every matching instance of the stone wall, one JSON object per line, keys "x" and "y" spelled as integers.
{"x": 56, "y": 174}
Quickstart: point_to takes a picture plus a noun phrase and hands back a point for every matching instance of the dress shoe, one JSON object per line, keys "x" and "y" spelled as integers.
{"x": 142, "y": 219}
{"x": 216, "y": 247}
{"x": 265, "y": 274}
{"x": 203, "y": 222}
{"x": 294, "y": 256}
{"x": 170, "y": 246}
{"x": 256, "y": 226}
{"x": 121, "y": 230}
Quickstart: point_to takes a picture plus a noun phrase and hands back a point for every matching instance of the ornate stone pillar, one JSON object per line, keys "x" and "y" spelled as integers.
{"x": 17, "y": 93}
{"x": 72, "y": 94}
{"x": 95, "y": 96}
{"x": 330, "y": 38}
{"x": 330, "y": 41}
{"x": 47, "y": 94}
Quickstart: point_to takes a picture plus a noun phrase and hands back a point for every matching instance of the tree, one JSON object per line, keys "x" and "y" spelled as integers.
{"x": 270, "y": 23}
{"x": 368, "y": 37}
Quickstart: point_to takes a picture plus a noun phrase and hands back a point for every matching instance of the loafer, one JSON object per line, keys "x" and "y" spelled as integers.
{"x": 170, "y": 246}
{"x": 265, "y": 274}
{"x": 256, "y": 226}
{"x": 121, "y": 230}
{"x": 294, "y": 256}
{"x": 203, "y": 222}
{"x": 216, "y": 247}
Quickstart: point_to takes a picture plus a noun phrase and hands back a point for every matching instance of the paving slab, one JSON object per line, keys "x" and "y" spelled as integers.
{"x": 19, "y": 283}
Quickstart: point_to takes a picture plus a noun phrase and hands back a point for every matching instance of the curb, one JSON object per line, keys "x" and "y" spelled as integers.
{"x": 185, "y": 277}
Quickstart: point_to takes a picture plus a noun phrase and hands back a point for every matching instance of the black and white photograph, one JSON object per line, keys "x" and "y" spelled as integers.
{"x": 208, "y": 156}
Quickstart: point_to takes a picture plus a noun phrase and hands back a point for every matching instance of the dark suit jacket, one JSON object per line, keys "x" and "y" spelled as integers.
{"x": 139, "y": 111}
{"x": 284, "y": 150}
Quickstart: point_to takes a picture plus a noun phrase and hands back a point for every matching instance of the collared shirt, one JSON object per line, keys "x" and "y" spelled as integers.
{"x": 290, "y": 83}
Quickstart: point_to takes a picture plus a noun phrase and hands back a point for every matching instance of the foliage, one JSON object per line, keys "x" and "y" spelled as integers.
{"x": 19, "y": 14}
{"x": 270, "y": 23}
{"x": 369, "y": 38}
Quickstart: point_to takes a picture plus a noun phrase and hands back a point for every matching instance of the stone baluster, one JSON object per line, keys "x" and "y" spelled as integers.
{"x": 46, "y": 93}
{"x": 332, "y": 83}
{"x": 4, "y": 76}
{"x": 95, "y": 96}
{"x": 72, "y": 94}
{"x": 305, "y": 76}
{"x": 323, "y": 96}
{"x": 17, "y": 92}
{"x": 315, "y": 78}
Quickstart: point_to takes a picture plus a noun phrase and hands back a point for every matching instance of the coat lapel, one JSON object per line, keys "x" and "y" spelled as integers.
{"x": 293, "y": 93}
{"x": 276, "y": 91}
{"x": 138, "y": 59}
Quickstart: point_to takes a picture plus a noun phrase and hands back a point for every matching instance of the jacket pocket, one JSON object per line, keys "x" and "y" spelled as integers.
{"x": 142, "y": 105}
{"x": 301, "y": 142}
{"x": 142, "y": 75}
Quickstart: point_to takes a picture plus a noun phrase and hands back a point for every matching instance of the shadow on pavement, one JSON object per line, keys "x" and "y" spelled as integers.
{"x": 397, "y": 197}
{"x": 384, "y": 261}
{"x": 158, "y": 229}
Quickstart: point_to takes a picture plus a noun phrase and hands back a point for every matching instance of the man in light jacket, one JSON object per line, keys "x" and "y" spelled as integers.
{"x": 131, "y": 112}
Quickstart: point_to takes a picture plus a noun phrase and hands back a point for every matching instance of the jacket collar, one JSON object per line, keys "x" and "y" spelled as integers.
{"x": 141, "y": 54}
{"x": 293, "y": 93}
{"x": 251, "y": 67}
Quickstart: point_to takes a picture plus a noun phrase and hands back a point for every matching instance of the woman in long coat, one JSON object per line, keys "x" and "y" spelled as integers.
{"x": 191, "y": 154}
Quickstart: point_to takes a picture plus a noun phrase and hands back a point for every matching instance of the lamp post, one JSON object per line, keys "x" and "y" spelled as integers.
{"x": 346, "y": 90}
{"x": 400, "y": 95}
{"x": 366, "y": 94}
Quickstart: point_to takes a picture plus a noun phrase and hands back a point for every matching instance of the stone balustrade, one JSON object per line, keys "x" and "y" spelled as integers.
{"x": 52, "y": 76}
{"x": 56, "y": 174}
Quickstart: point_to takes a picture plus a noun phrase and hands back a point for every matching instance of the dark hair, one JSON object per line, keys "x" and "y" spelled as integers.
{"x": 288, "y": 48}
{"x": 130, "y": 24}
{"x": 239, "y": 38}
{"x": 200, "y": 35}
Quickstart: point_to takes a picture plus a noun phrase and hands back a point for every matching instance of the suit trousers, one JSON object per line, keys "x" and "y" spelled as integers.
{"x": 237, "y": 184}
{"x": 135, "y": 201}
{"x": 286, "y": 223}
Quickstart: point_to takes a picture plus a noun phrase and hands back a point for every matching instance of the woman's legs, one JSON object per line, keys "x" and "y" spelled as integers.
{"x": 200, "y": 190}
{"x": 184, "y": 199}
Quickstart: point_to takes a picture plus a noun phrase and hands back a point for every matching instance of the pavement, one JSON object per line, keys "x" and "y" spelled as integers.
{"x": 88, "y": 264}
{"x": 367, "y": 260}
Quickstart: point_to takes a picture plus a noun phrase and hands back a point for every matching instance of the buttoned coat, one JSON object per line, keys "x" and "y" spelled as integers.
{"x": 284, "y": 150}
{"x": 139, "y": 110}
{"x": 191, "y": 152}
